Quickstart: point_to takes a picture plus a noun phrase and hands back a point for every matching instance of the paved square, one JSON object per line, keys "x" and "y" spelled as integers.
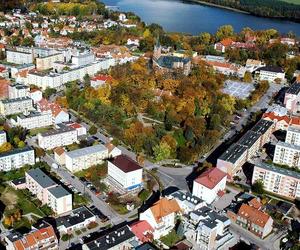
{"x": 237, "y": 89}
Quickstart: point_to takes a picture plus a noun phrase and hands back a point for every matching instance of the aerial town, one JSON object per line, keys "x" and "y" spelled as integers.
{"x": 115, "y": 134}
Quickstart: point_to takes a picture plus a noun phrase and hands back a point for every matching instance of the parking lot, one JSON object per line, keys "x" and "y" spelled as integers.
{"x": 237, "y": 89}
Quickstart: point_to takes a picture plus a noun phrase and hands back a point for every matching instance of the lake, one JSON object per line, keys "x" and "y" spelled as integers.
{"x": 179, "y": 16}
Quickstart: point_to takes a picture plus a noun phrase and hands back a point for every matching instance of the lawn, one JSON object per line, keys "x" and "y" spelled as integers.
{"x": 297, "y": 2}
{"x": 170, "y": 239}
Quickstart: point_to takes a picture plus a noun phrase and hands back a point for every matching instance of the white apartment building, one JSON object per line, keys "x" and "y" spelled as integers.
{"x": 84, "y": 158}
{"x": 15, "y": 106}
{"x": 45, "y": 63}
{"x": 287, "y": 154}
{"x": 208, "y": 185}
{"x": 125, "y": 173}
{"x": 19, "y": 57}
{"x": 62, "y": 136}
{"x": 33, "y": 120}
{"x": 81, "y": 59}
{"x": 59, "y": 200}
{"x": 206, "y": 229}
{"x": 16, "y": 158}
{"x": 17, "y": 90}
{"x": 48, "y": 192}
{"x": 2, "y": 137}
{"x": 278, "y": 180}
{"x": 292, "y": 97}
{"x": 57, "y": 80}
{"x": 271, "y": 74}
{"x": 293, "y": 135}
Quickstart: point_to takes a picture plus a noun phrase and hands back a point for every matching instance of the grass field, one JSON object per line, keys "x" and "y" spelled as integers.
{"x": 292, "y": 1}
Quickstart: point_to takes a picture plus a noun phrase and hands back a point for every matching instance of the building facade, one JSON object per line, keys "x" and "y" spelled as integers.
{"x": 16, "y": 158}
{"x": 84, "y": 158}
{"x": 15, "y": 106}
{"x": 33, "y": 120}
{"x": 287, "y": 154}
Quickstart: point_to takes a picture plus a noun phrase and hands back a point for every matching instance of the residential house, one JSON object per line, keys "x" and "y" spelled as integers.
{"x": 41, "y": 236}
{"x": 100, "y": 80}
{"x": 142, "y": 230}
{"x": 162, "y": 216}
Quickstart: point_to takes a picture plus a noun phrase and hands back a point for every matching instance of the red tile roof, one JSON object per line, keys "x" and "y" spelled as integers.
{"x": 272, "y": 116}
{"x": 143, "y": 230}
{"x": 164, "y": 207}
{"x": 102, "y": 78}
{"x": 253, "y": 215}
{"x": 211, "y": 177}
{"x": 226, "y": 42}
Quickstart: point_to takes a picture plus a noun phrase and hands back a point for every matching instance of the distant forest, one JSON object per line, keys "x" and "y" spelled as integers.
{"x": 264, "y": 8}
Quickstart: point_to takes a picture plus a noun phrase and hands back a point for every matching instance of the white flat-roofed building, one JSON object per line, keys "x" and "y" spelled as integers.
{"x": 16, "y": 158}
{"x": 271, "y": 74}
{"x": 15, "y": 106}
{"x": 3, "y": 138}
{"x": 57, "y": 80}
{"x": 293, "y": 135}
{"x": 19, "y": 57}
{"x": 287, "y": 154}
{"x": 277, "y": 180}
{"x": 125, "y": 172}
{"x": 33, "y": 120}
{"x": 84, "y": 158}
{"x": 81, "y": 59}
{"x": 45, "y": 63}
{"x": 59, "y": 200}
{"x": 62, "y": 136}
{"x": 17, "y": 90}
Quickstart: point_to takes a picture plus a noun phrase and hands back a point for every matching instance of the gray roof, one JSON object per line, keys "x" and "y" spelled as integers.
{"x": 294, "y": 89}
{"x": 41, "y": 178}
{"x": 168, "y": 61}
{"x": 288, "y": 145}
{"x": 262, "y": 126}
{"x": 77, "y": 216}
{"x": 186, "y": 196}
{"x": 249, "y": 139}
{"x": 58, "y": 191}
{"x": 16, "y": 151}
{"x": 233, "y": 153}
{"x": 20, "y": 99}
{"x": 86, "y": 151}
{"x": 279, "y": 170}
{"x": 60, "y": 130}
{"x": 293, "y": 128}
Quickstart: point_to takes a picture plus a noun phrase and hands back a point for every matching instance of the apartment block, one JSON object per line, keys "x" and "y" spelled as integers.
{"x": 16, "y": 158}
{"x": 84, "y": 158}
{"x": 287, "y": 154}
{"x": 265, "y": 129}
{"x": 45, "y": 63}
{"x": 2, "y": 137}
{"x": 48, "y": 192}
{"x": 125, "y": 173}
{"x": 280, "y": 181}
{"x": 293, "y": 135}
{"x": 270, "y": 74}
{"x": 33, "y": 120}
{"x": 17, "y": 90}
{"x": 292, "y": 97}
{"x": 57, "y": 80}
{"x": 19, "y": 57}
{"x": 252, "y": 141}
{"x": 57, "y": 137}
{"x": 15, "y": 106}
{"x": 232, "y": 160}
{"x": 41, "y": 236}
{"x": 81, "y": 59}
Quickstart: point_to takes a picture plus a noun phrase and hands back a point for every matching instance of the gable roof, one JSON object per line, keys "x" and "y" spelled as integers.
{"x": 164, "y": 207}
{"x": 253, "y": 215}
{"x": 143, "y": 230}
{"x": 211, "y": 177}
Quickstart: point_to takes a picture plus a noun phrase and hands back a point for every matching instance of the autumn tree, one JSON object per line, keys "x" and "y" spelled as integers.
{"x": 224, "y": 31}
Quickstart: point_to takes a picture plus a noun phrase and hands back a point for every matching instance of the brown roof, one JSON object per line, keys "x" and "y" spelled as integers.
{"x": 59, "y": 150}
{"x": 164, "y": 207}
{"x": 255, "y": 203}
{"x": 125, "y": 163}
{"x": 253, "y": 215}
